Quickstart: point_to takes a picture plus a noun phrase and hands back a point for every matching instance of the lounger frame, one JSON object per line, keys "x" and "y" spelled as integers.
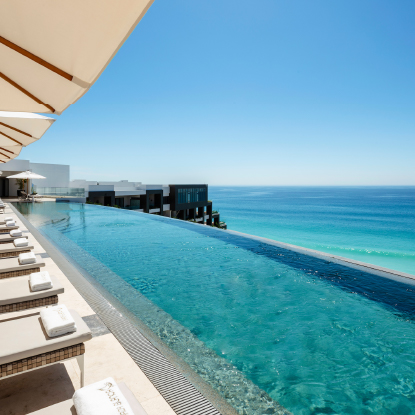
{"x": 8, "y": 229}
{"x": 24, "y": 305}
{"x": 46, "y": 359}
{"x": 12, "y": 238}
{"x": 10, "y": 254}
{"x": 20, "y": 272}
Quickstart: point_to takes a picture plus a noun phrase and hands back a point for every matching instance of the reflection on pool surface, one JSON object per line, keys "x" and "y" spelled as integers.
{"x": 318, "y": 337}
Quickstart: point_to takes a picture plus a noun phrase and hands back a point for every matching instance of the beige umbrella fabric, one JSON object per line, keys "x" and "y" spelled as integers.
{"x": 19, "y": 129}
{"x": 51, "y": 52}
{"x": 26, "y": 175}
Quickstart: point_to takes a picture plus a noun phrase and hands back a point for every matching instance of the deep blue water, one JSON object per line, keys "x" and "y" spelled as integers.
{"x": 369, "y": 224}
{"x": 318, "y": 337}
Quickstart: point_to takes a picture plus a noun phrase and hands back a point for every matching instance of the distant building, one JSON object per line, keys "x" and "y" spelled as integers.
{"x": 186, "y": 202}
{"x": 181, "y": 201}
{"x": 57, "y": 176}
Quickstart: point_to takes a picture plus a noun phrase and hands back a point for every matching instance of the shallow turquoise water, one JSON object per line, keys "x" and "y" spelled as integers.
{"x": 370, "y": 224}
{"x": 318, "y": 337}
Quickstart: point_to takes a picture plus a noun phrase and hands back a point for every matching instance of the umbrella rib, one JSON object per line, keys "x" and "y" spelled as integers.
{"x": 15, "y": 129}
{"x": 18, "y": 142}
{"x": 21, "y": 89}
{"x": 5, "y": 155}
{"x": 35, "y": 58}
{"x": 1, "y": 148}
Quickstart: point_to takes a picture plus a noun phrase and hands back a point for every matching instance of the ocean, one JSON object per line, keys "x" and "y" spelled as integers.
{"x": 370, "y": 224}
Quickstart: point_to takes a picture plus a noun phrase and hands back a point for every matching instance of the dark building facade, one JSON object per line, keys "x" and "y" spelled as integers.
{"x": 180, "y": 201}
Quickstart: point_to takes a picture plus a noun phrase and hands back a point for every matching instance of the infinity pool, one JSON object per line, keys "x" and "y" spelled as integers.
{"x": 317, "y": 337}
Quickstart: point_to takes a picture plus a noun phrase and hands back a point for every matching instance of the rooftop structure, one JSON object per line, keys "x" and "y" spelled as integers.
{"x": 57, "y": 176}
{"x": 180, "y": 201}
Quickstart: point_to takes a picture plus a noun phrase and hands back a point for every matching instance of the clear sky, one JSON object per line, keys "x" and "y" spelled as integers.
{"x": 266, "y": 92}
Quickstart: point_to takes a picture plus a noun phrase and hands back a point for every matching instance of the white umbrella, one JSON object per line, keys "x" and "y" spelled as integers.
{"x": 19, "y": 129}
{"x": 51, "y": 52}
{"x": 26, "y": 175}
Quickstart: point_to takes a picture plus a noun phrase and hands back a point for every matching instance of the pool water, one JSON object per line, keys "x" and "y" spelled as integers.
{"x": 317, "y": 337}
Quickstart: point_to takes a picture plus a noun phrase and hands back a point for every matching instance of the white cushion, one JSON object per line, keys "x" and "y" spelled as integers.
{"x": 20, "y": 242}
{"x": 27, "y": 258}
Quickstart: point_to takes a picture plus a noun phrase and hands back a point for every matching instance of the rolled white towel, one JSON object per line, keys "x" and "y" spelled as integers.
{"x": 10, "y": 223}
{"x": 28, "y": 258}
{"x": 103, "y": 398}
{"x": 40, "y": 281}
{"x": 8, "y": 218}
{"x": 16, "y": 232}
{"x": 57, "y": 320}
{"x": 21, "y": 242}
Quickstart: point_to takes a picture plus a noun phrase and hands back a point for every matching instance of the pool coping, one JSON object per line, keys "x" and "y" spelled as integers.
{"x": 183, "y": 389}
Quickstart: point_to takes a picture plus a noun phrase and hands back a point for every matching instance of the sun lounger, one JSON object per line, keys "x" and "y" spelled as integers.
{"x": 16, "y": 295}
{"x": 3, "y": 222}
{"x": 11, "y": 267}
{"x": 6, "y": 238}
{"x": 25, "y": 345}
{"x": 9, "y": 250}
{"x": 67, "y": 407}
{"x": 6, "y": 229}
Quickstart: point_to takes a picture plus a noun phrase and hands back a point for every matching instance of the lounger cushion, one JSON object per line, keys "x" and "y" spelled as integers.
{"x": 9, "y": 247}
{"x": 67, "y": 407}
{"x": 17, "y": 289}
{"x": 23, "y": 337}
{"x": 3, "y": 222}
{"x": 13, "y": 264}
{"x": 135, "y": 405}
{"x": 7, "y": 237}
{"x": 62, "y": 408}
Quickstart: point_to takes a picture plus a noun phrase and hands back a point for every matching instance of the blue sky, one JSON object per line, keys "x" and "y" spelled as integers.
{"x": 269, "y": 92}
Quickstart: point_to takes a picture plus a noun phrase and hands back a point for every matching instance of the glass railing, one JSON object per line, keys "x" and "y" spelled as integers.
{"x": 60, "y": 191}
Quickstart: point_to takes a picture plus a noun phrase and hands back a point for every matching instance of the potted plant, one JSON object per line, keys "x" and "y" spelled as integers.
{"x": 21, "y": 185}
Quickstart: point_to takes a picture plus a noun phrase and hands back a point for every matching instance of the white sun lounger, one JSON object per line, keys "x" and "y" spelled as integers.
{"x": 67, "y": 407}
{"x": 9, "y": 250}
{"x": 11, "y": 267}
{"x": 16, "y": 295}
{"x": 3, "y": 222}
{"x": 6, "y": 238}
{"x": 25, "y": 346}
{"x": 6, "y": 229}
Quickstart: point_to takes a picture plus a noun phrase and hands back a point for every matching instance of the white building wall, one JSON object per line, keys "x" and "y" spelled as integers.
{"x": 15, "y": 166}
{"x": 57, "y": 175}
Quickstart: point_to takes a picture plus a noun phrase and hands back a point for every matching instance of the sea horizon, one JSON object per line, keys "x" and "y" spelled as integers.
{"x": 373, "y": 226}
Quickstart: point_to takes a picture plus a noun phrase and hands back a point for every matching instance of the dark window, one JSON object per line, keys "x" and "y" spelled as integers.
{"x": 119, "y": 201}
{"x": 191, "y": 195}
{"x": 135, "y": 203}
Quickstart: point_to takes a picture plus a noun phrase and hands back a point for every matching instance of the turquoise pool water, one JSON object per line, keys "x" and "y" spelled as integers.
{"x": 370, "y": 224}
{"x": 317, "y": 337}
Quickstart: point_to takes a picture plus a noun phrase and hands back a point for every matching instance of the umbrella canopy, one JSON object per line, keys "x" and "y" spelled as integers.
{"x": 26, "y": 175}
{"x": 51, "y": 52}
{"x": 19, "y": 129}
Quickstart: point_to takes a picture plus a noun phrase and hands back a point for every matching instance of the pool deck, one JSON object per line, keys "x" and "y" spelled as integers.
{"x": 104, "y": 356}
